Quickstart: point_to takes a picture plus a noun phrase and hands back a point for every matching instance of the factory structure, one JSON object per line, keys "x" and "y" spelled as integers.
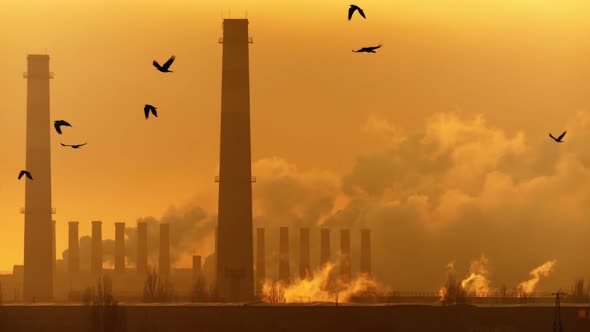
{"x": 238, "y": 273}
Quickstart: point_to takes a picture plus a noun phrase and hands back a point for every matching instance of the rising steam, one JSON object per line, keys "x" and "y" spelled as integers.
{"x": 477, "y": 282}
{"x": 316, "y": 288}
{"x": 528, "y": 286}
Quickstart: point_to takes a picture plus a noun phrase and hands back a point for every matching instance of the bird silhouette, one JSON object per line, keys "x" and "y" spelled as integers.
{"x": 23, "y": 172}
{"x": 73, "y": 146}
{"x": 352, "y": 9}
{"x": 368, "y": 49}
{"x": 164, "y": 68}
{"x": 59, "y": 123}
{"x": 147, "y": 108}
{"x": 558, "y": 140}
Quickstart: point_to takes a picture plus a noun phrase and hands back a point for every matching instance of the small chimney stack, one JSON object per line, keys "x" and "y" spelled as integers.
{"x": 284, "y": 273}
{"x": 324, "y": 246}
{"x": 73, "y": 248}
{"x": 260, "y": 260}
{"x": 345, "y": 271}
{"x": 142, "y": 255}
{"x": 304, "y": 255}
{"x": 120, "y": 247}
{"x": 196, "y": 267}
{"x": 164, "y": 250}
{"x": 96, "y": 262}
{"x": 366, "y": 251}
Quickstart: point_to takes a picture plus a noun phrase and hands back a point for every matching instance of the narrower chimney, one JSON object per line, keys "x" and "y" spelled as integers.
{"x": 164, "y": 250}
{"x": 324, "y": 246}
{"x": 120, "y": 247}
{"x": 196, "y": 267}
{"x": 260, "y": 260}
{"x": 73, "y": 248}
{"x": 304, "y": 271}
{"x": 284, "y": 272}
{"x": 366, "y": 251}
{"x": 96, "y": 262}
{"x": 345, "y": 272}
{"x": 142, "y": 256}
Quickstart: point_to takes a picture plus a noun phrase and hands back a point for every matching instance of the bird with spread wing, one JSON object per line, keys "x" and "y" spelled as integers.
{"x": 24, "y": 172}
{"x": 59, "y": 123}
{"x": 165, "y": 67}
{"x": 149, "y": 108}
{"x": 368, "y": 49}
{"x": 73, "y": 146}
{"x": 558, "y": 140}
{"x": 354, "y": 8}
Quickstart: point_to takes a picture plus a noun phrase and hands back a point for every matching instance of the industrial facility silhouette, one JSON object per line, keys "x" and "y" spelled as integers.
{"x": 236, "y": 284}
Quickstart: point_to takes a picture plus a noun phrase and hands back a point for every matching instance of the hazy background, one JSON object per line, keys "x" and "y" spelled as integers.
{"x": 438, "y": 142}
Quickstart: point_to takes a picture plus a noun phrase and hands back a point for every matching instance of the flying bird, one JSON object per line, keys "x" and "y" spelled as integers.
{"x": 59, "y": 123}
{"x": 166, "y": 65}
{"x": 368, "y": 49}
{"x": 352, "y": 9}
{"x": 147, "y": 108}
{"x": 23, "y": 172}
{"x": 74, "y": 146}
{"x": 558, "y": 140}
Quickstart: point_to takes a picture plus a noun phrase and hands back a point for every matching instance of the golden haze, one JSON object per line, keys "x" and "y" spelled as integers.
{"x": 315, "y": 105}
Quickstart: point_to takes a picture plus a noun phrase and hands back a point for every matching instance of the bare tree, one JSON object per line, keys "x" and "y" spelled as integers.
{"x": 578, "y": 293}
{"x": 199, "y": 293}
{"x": 155, "y": 289}
{"x": 454, "y": 292}
{"x": 105, "y": 315}
{"x": 276, "y": 294}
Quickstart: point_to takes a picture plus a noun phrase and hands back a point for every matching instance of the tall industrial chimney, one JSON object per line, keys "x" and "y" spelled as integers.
{"x": 96, "y": 260}
{"x": 164, "y": 250}
{"x": 196, "y": 267}
{"x": 142, "y": 248}
{"x": 284, "y": 273}
{"x": 304, "y": 266}
{"x": 73, "y": 248}
{"x": 345, "y": 271}
{"x": 324, "y": 246}
{"x": 260, "y": 260}
{"x": 38, "y": 264}
{"x": 120, "y": 247}
{"x": 235, "y": 267}
{"x": 366, "y": 251}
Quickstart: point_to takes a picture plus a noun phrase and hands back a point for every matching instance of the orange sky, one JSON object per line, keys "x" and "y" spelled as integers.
{"x": 523, "y": 65}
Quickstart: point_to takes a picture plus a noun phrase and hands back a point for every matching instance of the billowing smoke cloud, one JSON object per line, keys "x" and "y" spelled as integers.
{"x": 459, "y": 187}
{"x": 456, "y": 188}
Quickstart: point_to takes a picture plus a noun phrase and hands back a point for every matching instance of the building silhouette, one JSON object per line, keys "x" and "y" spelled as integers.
{"x": 235, "y": 275}
{"x": 38, "y": 261}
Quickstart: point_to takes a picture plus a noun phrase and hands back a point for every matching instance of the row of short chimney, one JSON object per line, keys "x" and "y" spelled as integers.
{"x": 164, "y": 252}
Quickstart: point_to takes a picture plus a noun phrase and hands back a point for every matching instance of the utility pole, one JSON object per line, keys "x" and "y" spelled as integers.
{"x": 557, "y": 327}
